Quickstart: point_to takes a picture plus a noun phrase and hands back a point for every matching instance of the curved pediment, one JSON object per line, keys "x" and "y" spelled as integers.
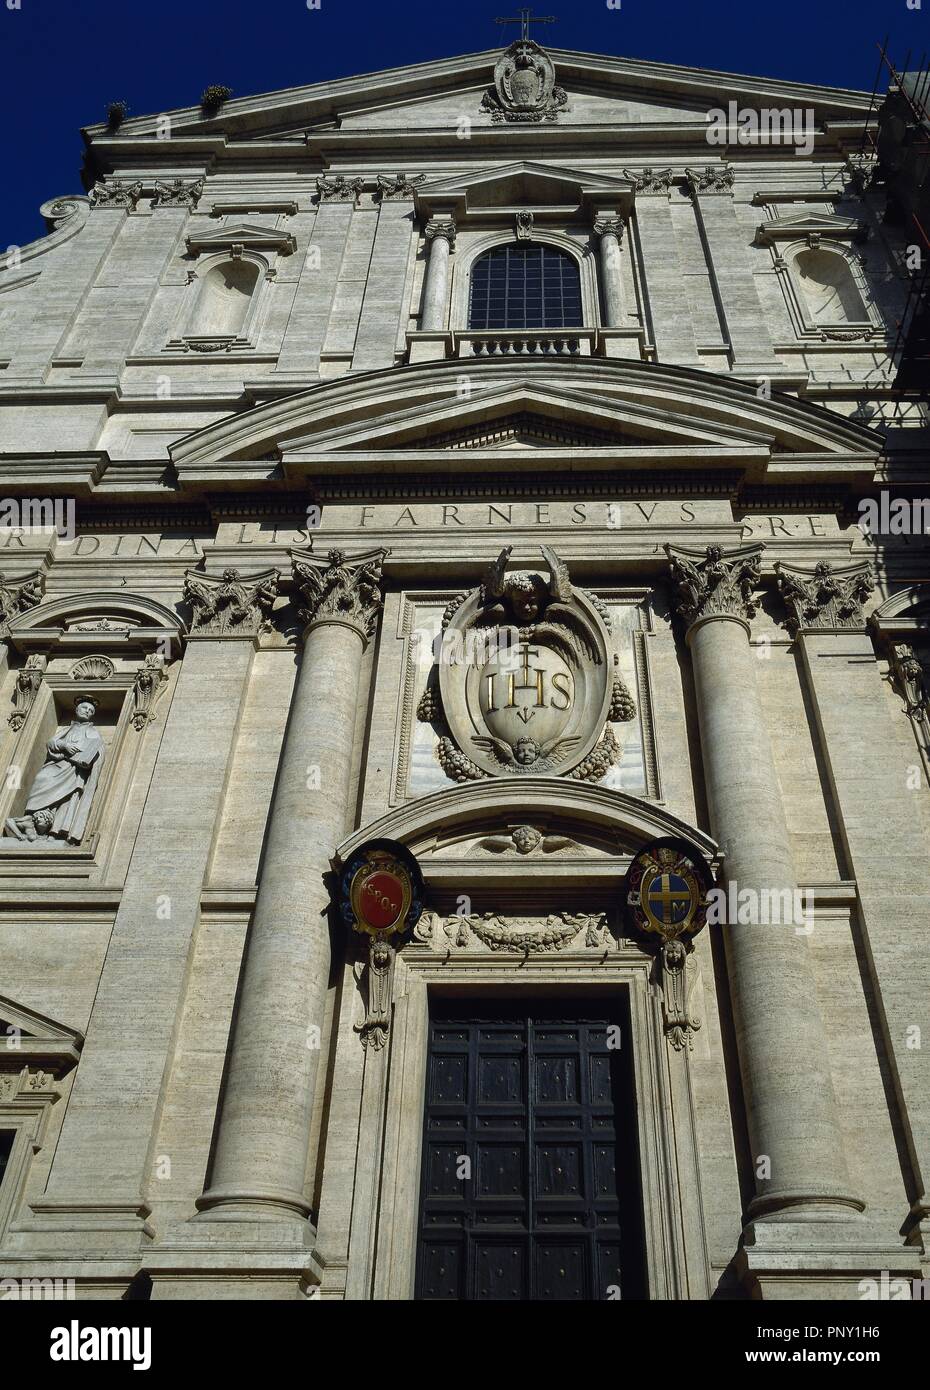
{"x": 105, "y": 620}
{"x": 488, "y": 832}
{"x": 666, "y": 415}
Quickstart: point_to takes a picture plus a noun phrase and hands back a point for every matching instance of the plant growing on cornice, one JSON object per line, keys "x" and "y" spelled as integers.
{"x": 213, "y": 97}
{"x": 117, "y": 111}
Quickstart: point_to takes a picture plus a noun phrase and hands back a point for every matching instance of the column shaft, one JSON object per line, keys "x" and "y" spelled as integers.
{"x": 262, "y": 1143}
{"x": 784, "y": 1060}
{"x": 441, "y": 236}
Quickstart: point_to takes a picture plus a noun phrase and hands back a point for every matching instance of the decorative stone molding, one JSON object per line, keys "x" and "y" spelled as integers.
{"x": 398, "y": 185}
{"x": 92, "y": 668}
{"x": 824, "y": 599}
{"x": 714, "y": 178}
{"x": 524, "y": 226}
{"x": 26, "y": 689}
{"x": 147, "y": 687}
{"x": 812, "y": 229}
{"x": 374, "y": 1028}
{"x": 721, "y": 584}
{"x": 18, "y": 596}
{"x": 118, "y": 194}
{"x": 650, "y": 180}
{"x": 236, "y": 238}
{"x": 521, "y": 935}
{"x": 526, "y": 839}
{"x": 909, "y": 680}
{"x": 339, "y": 189}
{"x": 523, "y": 681}
{"x": 97, "y": 622}
{"x": 524, "y": 88}
{"x": 676, "y": 979}
{"x": 341, "y": 590}
{"x": 441, "y": 227}
{"x": 609, "y": 226}
{"x": 231, "y": 605}
{"x": 178, "y": 193}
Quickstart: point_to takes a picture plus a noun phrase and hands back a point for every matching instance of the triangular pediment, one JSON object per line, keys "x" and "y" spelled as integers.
{"x": 811, "y": 224}
{"x": 570, "y": 414}
{"x": 435, "y": 95}
{"x": 525, "y": 184}
{"x": 538, "y": 415}
{"x": 250, "y": 235}
{"x": 30, "y": 1038}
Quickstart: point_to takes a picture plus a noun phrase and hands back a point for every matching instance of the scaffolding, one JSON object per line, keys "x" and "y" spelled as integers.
{"x": 896, "y": 143}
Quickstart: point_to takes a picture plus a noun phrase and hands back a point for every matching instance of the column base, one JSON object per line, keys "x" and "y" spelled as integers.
{"x": 251, "y": 1204}
{"x": 824, "y": 1260}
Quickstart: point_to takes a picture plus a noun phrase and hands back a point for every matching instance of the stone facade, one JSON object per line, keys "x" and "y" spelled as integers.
{"x": 243, "y": 365}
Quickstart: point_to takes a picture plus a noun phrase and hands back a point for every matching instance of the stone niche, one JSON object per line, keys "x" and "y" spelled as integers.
{"x": 117, "y": 652}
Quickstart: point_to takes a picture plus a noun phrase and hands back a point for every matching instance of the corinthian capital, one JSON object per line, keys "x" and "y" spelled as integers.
{"x": 441, "y": 227}
{"x": 341, "y": 589}
{"x": 16, "y": 597}
{"x": 721, "y": 584}
{"x": 824, "y": 598}
{"x": 609, "y": 226}
{"x": 234, "y": 605}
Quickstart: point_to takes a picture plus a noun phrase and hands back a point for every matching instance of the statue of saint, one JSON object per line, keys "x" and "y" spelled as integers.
{"x": 60, "y": 797}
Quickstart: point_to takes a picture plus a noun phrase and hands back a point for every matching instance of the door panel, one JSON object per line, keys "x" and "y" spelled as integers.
{"x": 530, "y": 1175}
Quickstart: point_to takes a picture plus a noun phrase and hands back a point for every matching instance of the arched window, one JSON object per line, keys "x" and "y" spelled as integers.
{"x": 534, "y": 286}
{"x": 831, "y": 293}
{"x": 224, "y": 299}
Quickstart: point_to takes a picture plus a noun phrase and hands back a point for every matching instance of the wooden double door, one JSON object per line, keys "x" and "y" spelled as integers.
{"x": 530, "y": 1174}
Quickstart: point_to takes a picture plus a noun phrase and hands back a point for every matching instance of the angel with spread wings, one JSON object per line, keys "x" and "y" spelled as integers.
{"x": 527, "y": 752}
{"x": 543, "y": 611}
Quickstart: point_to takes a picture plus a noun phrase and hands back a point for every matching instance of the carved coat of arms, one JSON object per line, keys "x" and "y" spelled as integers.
{"x": 524, "y": 681}
{"x": 524, "y": 85}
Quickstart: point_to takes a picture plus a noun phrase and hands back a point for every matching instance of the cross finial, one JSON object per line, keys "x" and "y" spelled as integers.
{"x": 525, "y": 18}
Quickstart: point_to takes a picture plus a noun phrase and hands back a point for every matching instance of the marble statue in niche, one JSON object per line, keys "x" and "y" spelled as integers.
{"x": 62, "y": 791}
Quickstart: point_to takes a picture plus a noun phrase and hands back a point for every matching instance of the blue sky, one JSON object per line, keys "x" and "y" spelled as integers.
{"x": 64, "y": 60}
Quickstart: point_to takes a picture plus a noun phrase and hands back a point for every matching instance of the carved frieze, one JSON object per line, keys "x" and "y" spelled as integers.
{"x": 341, "y": 589}
{"x": 231, "y": 605}
{"x": 524, "y": 682}
{"x": 524, "y": 88}
{"x": 721, "y": 584}
{"x": 492, "y": 931}
{"x": 824, "y": 598}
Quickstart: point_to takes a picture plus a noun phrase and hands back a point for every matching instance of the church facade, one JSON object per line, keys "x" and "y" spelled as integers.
{"x": 463, "y": 635}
